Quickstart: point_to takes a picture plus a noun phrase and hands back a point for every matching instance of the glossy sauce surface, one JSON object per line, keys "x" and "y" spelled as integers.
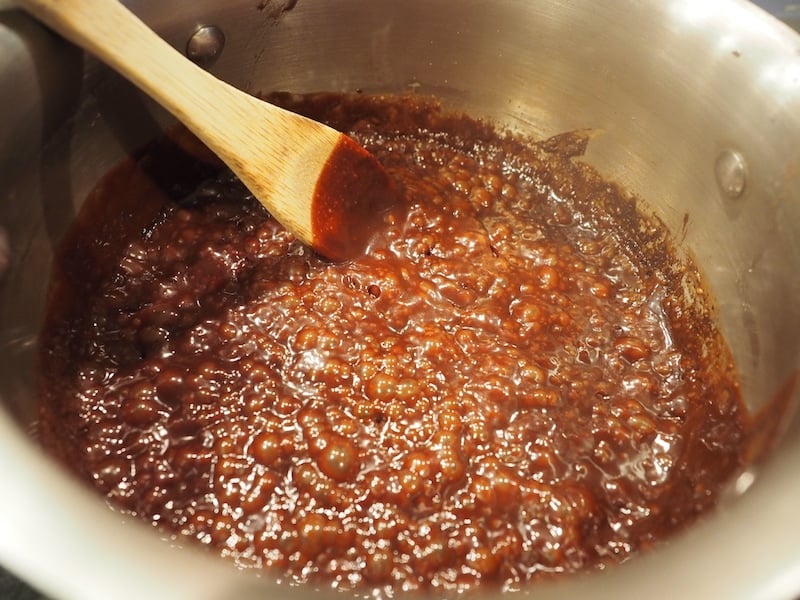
{"x": 518, "y": 379}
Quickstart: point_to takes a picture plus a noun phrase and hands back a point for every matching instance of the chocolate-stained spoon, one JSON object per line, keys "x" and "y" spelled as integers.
{"x": 320, "y": 184}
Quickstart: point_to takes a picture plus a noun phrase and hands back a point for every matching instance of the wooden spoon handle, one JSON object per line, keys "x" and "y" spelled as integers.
{"x": 115, "y": 35}
{"x": 112, "y": 33}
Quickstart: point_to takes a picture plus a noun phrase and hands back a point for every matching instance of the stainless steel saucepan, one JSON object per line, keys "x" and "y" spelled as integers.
{"x": 697, "y": 105}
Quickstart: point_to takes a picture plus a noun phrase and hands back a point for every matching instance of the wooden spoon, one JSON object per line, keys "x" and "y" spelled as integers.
{"x": 320, "y": 184}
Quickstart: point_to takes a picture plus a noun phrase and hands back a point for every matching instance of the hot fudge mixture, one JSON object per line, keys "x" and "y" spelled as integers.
{"x": 520, "y": 377}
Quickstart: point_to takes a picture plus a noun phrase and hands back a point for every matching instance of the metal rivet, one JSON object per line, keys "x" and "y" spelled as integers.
{"x": 731, "y": 172}
{"x": 205, "y": 45}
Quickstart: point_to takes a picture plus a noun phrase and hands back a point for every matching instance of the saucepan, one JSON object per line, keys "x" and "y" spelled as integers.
{"x": 696, "y": 110}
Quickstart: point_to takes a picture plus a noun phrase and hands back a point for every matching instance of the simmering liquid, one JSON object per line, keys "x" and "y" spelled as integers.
{"x": 520, "y": 377}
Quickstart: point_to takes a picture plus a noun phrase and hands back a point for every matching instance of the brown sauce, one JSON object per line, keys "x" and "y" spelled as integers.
{"x": 519, "y": 379}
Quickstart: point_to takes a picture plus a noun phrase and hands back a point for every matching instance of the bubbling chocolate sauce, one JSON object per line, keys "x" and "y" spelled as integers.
{"x": 518, "y": 379}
